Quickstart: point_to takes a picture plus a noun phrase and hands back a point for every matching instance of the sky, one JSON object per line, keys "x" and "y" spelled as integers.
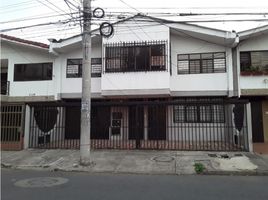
{"x": 21, "y": 13}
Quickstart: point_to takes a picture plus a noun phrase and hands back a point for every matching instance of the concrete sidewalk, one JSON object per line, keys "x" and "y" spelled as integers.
{"x": 140, "y": 162}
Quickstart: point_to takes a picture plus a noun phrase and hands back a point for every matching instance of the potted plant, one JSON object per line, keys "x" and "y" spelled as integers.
{"x": 255, "y": 70}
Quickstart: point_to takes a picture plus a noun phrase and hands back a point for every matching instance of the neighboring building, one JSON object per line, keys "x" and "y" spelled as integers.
{"x": 253, "y": 81}
{"x": 155, "y": 84}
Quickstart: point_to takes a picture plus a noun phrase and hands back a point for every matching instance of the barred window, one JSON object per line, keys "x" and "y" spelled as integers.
{"x": 130, "y": 57}
{"x": 201, "y": 63}
{"x": 198, "y": 114}
{"x": 74, "y": 67}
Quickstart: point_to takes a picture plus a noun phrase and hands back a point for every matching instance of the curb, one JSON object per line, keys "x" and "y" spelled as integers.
{"x": 208, "y": 173}
{"x": 237, "y": 173}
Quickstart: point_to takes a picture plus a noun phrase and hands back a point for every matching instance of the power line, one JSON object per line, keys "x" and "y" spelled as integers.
{"x": 35, "y": 17}
{"x": 35, "y": 25}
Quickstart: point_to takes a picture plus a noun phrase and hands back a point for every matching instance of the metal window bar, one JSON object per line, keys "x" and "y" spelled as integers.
{"x": 128, "y": 57}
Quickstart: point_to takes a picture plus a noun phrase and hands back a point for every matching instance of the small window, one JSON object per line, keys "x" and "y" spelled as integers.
{"x": 198, "y": 114}
{"x": 74, "y": 67}
{"x": 201, "y": 63}
{"x": 96, "y": 66}
{"x": 33, "y": 72}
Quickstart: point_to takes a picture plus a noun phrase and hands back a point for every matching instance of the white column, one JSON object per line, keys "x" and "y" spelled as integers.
{"x": 26, "y": 127}
{"x": 249, "y": 123}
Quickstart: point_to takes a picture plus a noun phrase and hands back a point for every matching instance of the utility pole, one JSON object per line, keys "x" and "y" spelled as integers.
{"x": 86, "y": 85}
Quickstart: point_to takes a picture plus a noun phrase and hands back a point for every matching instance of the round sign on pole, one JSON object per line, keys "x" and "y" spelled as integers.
{"x": 106, "y": 29}
{"x": 98, "y": 13}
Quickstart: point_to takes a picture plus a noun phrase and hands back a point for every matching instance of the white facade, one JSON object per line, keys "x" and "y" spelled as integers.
{"x": 253, "y": 42}
{"x": 197, "y": 84}
{"x": 179, "y": 39}
{"x": 22, "y": 54}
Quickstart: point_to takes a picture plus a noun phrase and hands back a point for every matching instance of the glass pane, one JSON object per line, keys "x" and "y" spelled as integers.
{"x": 207, "y": 56}
{"x": 191, "y": 113}
{"x": 194, "y": 56}
{"x": 157, "y": 50}
{"x": 219, "y": 65}
{"x": 219, "y": 55}
{"x": 207, "y": 66}
{"x": 194, "y": 66}
{"x": 183, "y": 57}
{"x": 205, "y": 114}
{"x": 183, "y": 67}
{"x": 178, "y": 113}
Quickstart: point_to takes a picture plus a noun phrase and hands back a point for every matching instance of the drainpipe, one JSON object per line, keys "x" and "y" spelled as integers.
{"x": 233, "y": 68}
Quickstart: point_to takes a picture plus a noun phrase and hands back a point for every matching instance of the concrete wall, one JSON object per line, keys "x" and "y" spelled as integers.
{"x": 217, "y": 83}
{"x": 133, "y": 31}
{"x": 19, "y": 54}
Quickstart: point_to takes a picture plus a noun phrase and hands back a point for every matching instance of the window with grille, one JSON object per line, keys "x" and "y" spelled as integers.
{"x": 130, "y": 57}
{"x": 254, "y": 61}
{"x": 74, "y": 67}
{"x": 201, "y": 63}
{"x": 198, "y": 113}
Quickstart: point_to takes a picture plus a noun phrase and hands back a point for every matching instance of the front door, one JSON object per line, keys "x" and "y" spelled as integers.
{"x": 136, "y": 123}
{"x": 257, "y": 121}
{"x": 157, "y": 122}
{"x": 72, "y": 122}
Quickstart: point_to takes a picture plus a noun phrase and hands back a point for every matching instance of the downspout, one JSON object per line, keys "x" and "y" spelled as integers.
{"x": 56, "y": 77}
{"x": 233, "y": 65}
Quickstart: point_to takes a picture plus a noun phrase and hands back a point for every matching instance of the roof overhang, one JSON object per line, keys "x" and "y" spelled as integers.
{"x": 243, "y": 35}
{"x": 69, "y": 44}
{"x": 220, "y": 37}
{"x": 224, "y": 38}
{"x": 22, "y": 44}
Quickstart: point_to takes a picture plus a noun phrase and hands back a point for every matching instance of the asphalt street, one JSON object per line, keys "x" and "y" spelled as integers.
{"x": 26, "y": 184}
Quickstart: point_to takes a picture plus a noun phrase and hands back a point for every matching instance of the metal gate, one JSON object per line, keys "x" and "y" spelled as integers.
{"x": 181, "y": 124}
{"x": 12, "y": 126}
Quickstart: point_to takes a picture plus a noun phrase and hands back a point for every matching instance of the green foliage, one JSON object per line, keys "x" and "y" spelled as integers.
{"x": 199, "y": 168}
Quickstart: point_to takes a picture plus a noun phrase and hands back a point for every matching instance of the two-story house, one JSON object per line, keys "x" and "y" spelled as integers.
{"x": 252, "y": 53}
{"x": 155, "y": 84}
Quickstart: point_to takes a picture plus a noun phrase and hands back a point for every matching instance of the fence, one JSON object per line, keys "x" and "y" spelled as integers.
{"x": 186, "y": 124}
{"x": 12, "y": 126}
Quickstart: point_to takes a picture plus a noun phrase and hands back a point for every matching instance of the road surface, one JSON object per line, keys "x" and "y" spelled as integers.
{"x": 45, "y": 185}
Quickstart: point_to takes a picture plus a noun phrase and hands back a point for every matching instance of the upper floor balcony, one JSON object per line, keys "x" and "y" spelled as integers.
{"x": 138, "y": 68}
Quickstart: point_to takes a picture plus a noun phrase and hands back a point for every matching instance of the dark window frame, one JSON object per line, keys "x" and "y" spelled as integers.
{"x": 46, "y": 72}
{"x": 214, "y": 114}
{"x": 247, "y": 66}
{"x": 96, "y": 64}
{"x": 136, "y": 57}
{"x": 202, "y": 68}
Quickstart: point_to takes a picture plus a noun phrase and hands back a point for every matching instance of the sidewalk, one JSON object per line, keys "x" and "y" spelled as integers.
{"x": 139, "y": 162}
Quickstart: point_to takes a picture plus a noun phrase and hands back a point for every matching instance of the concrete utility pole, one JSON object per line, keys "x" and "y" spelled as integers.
{"x": 86, "y": 86}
